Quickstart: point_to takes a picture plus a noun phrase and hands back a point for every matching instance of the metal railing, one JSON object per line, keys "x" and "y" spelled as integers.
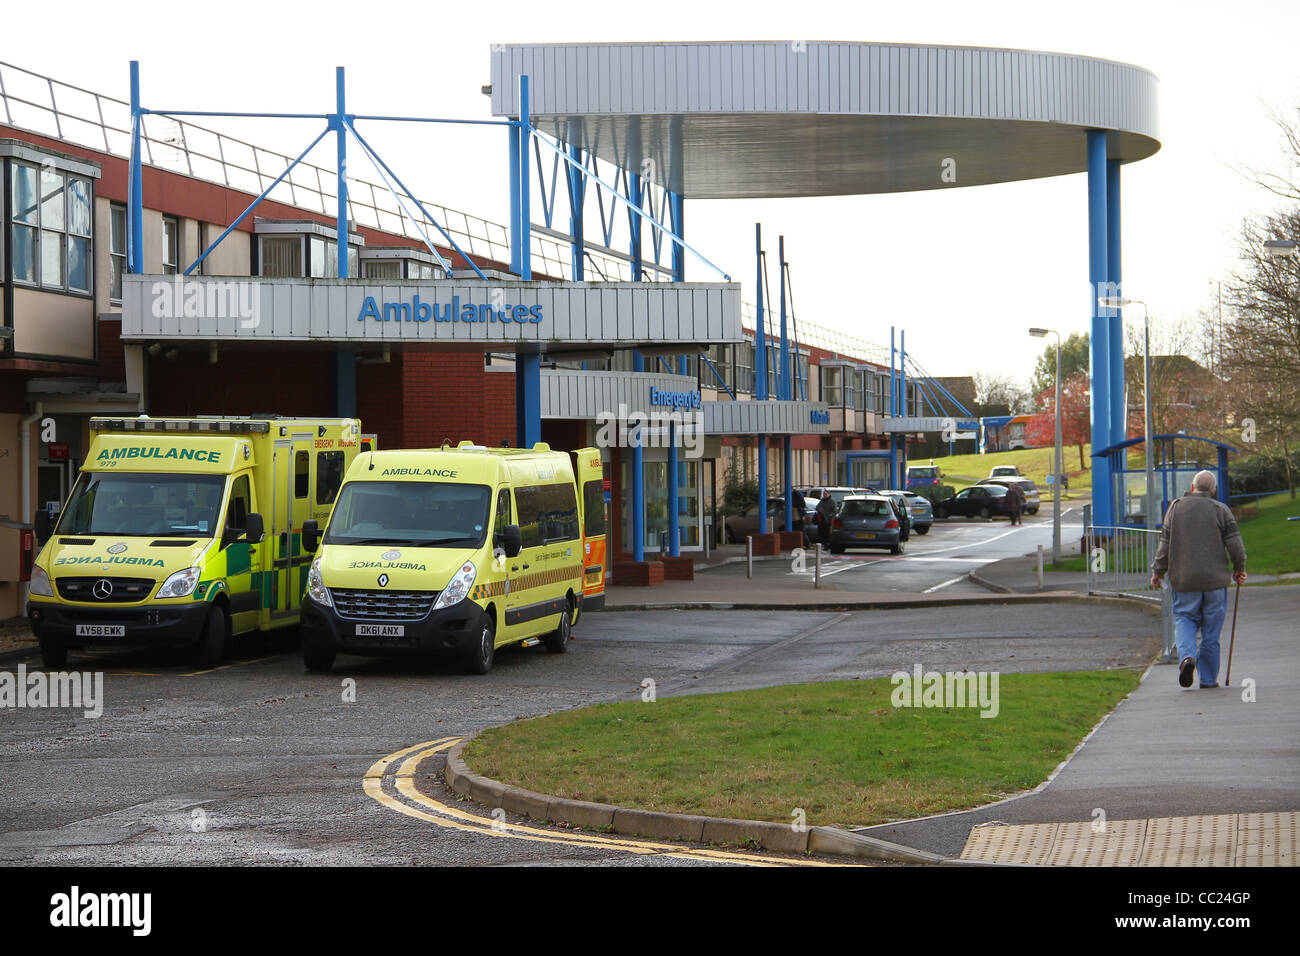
{"x": 40, "y": 104}
{"x": 811, "y": 334}
{"x": 1118, "y": 561}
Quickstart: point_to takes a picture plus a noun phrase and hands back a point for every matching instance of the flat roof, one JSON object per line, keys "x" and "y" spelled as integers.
{"x": 809, "y": 118}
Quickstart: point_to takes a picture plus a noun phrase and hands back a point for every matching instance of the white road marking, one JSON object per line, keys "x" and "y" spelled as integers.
{"x": 960, "y": 577}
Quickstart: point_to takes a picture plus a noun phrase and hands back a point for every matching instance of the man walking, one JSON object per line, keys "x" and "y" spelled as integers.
{"x": 825, "y": 515}
{"x": 1015, "y": 500}
{"x": 1198, "y": 535}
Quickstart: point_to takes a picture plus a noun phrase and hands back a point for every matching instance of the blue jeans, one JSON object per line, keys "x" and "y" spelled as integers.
{"x": 1204, "y": 610}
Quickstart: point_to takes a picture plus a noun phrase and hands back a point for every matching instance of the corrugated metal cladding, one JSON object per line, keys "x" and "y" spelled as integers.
{"x": 573, "y": 393}
{"x": 573, "y": 314}
{"x": 764, "y": 418}
{"x": 809, "y": 118}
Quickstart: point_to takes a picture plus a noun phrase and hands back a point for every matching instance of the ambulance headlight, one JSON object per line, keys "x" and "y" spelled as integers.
{"x": 180, "y": 584}
{"x": 40, "y": 584}
{"x": 458, "y": 588}
{"x": 316, "y": 586}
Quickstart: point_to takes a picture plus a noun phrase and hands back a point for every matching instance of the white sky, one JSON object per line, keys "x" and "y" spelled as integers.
{"x": 965, "y": 271}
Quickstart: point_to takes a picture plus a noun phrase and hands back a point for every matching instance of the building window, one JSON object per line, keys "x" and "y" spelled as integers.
{"x": 116, "y": 251}
{"x": 171, "y": 235}
{"x": 745, "y": 367}
{"x": 384, "y": 269}
{"x": 832, "y": 385}
{"x": 50, "y": 228}
{"x": 282, "y": 257}
{"x": 202, "y": 268}
{"x": 720, "y": 357}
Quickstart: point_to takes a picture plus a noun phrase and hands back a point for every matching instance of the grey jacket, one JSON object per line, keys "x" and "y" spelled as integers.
{"x": 1198, "y": 535}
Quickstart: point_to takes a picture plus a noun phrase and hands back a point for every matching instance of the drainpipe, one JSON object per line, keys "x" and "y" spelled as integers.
{"x": 24, "y": 516}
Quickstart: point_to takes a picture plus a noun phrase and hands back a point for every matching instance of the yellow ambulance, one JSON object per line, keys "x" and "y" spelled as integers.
{"x": 185, "y": 531}
{"x": 451, "y": 551}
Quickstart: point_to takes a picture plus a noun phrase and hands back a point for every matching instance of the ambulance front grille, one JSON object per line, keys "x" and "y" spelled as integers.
{"x": 112, "y": 590}
{"x": 376, "y": 605}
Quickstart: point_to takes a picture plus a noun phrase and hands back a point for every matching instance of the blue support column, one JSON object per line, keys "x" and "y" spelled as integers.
{"x": 760, "y": 340}
{"x": 638, "y": 365}
{"x": 345, "y": 360}
{"x": 678, "y": 208}
{"x": 528, "y": 366}
{"x": 577, "y": 196}
{"x": 789, "y": 483}
{"x": 893, "y": 410}
{"x": 345, "y": 383}
{"x": 515, "y": 258}
{"x": 783, "y": 374}
{"x": 1103, "y": 512}
{"x": 900, "y": 478}
{"x": 674, "y": 518}
{"x": 135, "y": 199}
{"x": 341, "y": 138}
{"x": 1118, "y": 378}
{"x": 762, "y": 484}
{"x": 528, "y": 390}
{"x": 525, "y": 191}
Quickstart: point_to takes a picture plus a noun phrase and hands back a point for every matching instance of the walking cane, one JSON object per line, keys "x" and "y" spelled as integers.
{"x": 1233, "y": 638}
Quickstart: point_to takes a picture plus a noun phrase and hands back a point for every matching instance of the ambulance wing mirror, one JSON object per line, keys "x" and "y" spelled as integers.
{"x": 310, "y": 535}
{"x": 511, "y": 540}
{"x": 42, "y": 525}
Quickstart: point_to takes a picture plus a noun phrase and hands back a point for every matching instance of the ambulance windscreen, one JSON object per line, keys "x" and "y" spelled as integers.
{"x": 143, "y": 505}
{"x": 413, "y": 513}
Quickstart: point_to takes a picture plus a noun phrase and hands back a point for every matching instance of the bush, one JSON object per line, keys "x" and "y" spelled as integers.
{"x": 739, "y": 496}
{"x": 1263, "y": 472}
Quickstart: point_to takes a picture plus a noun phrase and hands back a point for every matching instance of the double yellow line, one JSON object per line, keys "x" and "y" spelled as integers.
{"x": 391, "y": 782}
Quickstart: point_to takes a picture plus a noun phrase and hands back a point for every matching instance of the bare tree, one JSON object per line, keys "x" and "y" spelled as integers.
{"x": 1262, "y": 341}
{"x": 993, "y": 389}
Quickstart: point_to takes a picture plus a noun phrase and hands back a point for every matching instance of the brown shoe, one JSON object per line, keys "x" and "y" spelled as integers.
{"x": 1186, "y": 671}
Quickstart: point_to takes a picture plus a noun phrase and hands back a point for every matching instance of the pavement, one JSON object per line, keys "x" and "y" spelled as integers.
{"x": 1214, "y": 772}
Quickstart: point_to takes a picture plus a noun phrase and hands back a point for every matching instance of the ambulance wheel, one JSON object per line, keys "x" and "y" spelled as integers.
{"x": 318, "y": 660}
{"x": 53, "y": 655}
{"x": 482, "y": 652}
{"x": 212, "y": 642}
{"x": 557, "y": 642}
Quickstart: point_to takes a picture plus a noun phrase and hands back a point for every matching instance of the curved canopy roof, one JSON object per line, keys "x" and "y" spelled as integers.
{"x": 805, "y": 118}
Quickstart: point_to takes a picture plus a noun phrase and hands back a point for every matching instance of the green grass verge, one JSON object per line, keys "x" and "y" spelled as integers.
{"x": 840, "y": 751}
{"x": 1073, "y": 562}
{"x": 1272, "y": 543}
{"x": 1035, "y": 463}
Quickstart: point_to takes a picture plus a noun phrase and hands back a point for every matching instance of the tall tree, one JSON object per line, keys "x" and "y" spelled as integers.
{"x": 1262, "y": 344}
{"x": 993, "y": 389}
{"x": 1074, "y": 359}
{"x": 1076, "y": 415}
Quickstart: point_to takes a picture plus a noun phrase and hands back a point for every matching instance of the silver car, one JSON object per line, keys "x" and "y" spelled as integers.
{"x": 866, "y": 521}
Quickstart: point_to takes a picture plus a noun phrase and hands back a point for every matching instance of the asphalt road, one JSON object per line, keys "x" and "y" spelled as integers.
{"x": 259, "y": 762}
{"x": 933, "y": 563}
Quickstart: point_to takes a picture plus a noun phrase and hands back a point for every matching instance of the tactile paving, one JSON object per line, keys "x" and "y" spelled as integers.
{"x": 1245, "y": 839}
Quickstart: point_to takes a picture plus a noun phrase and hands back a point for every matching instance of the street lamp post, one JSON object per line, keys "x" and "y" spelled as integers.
{"x": 1056, "y": 475}
{"x": 1117, "y": 302}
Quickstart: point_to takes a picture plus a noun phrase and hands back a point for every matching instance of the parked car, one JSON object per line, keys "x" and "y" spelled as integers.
{"x": 919, "y": 510}
{"x": 978, "y": 501}
{"x": 1005, "y": 471}
{"x": 866, "y": 521}
{"x": 741, "y": 526}
{"x": 838, "y": 494}
{"x": 920, "y": 475}
{"x": 1032, "y": 500}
